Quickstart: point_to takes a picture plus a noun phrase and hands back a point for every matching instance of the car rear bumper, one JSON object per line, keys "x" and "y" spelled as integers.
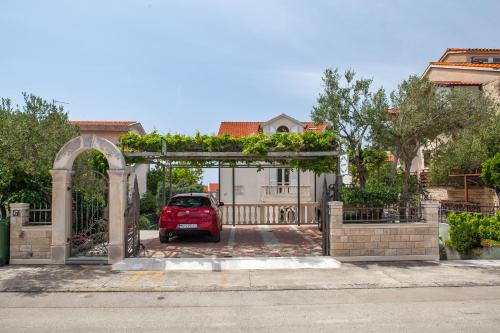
{"x": 173, "y": 231}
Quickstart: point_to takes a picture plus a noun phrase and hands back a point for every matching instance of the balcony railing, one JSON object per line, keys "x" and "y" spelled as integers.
{"x": 270, "y": 213}
{"x": 273, "y": 193}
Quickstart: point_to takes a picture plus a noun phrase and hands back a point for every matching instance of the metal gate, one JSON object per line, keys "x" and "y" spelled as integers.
{"x": 325, "y": 220}
{"x": 132, "y": 217}
{"x": 90, "y": 210}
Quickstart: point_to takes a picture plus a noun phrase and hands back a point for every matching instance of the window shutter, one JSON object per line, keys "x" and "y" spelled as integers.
{"x": 273, "y": 175}
{"x": 293, "y": 177}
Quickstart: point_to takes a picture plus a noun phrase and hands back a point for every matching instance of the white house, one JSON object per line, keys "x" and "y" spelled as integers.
{"x": 270, "y": 188}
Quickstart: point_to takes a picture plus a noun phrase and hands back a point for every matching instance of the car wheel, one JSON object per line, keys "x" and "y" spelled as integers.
{"x": 215, "y": 238}
{"x": 164, "y": 238}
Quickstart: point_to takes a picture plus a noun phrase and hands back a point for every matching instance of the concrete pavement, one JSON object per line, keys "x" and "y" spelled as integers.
{"x": 447, "y": 309}
{"x": 348, "y": 276}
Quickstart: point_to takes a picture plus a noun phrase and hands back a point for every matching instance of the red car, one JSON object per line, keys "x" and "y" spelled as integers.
{"x": 191, "y": 213}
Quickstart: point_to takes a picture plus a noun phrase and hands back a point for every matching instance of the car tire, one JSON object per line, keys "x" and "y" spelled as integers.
{"x": 164, "y": 238}
{"x": 215, "y": 238}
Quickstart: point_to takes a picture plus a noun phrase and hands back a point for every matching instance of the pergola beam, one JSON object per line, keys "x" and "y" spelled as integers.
{"x": 234, "y": 156}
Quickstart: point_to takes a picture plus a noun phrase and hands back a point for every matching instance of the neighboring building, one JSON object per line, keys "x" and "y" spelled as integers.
{"x": 112, "y": 130}
{"x": 212, "y": 188}
{"x": 462, "y": 68}
{"x": 270, "y": 185}
{"x": 470, "y": 69}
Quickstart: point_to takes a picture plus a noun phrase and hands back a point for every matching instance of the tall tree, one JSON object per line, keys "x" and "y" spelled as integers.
{"x": 425, "y": 114}
{"x": 350, "y": 108}
{"x": 30, "y": 137}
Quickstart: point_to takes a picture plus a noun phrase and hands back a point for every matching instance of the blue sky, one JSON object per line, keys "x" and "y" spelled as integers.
{"x": 186, "y": 65}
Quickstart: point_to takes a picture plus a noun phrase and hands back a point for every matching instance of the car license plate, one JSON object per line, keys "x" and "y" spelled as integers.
{"x": 187, "y": 226}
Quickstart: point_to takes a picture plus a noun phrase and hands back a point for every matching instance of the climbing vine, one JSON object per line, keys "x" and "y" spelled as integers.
{"x": 259, "y": 145}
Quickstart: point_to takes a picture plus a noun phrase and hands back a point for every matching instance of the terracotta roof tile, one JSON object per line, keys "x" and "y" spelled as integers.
{"x": 466, "y": 64}
{"x": 247, "y": 128}
{"x": 456, "y": 83}
{"x": 471, "y": 50}
{"x": 102, "y": 123}
{"x": 239, "y": 128}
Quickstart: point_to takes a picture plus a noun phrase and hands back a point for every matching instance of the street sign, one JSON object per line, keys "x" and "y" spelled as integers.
{"x": 344, "y": 165}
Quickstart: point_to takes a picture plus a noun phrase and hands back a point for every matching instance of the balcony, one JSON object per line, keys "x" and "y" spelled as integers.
{"x": 285, "y": 193}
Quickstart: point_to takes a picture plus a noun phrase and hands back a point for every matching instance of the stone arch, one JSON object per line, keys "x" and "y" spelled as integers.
{"x": 74, "y": 147}
{"x": 61, "y": 196}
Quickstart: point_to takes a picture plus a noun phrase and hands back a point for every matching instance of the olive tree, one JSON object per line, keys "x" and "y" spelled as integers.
{"x": 426, "y": 114}
{"x": 349, "y": 108}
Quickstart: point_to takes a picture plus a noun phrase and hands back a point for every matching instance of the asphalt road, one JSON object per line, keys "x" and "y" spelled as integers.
{"x": 437, "y": 309}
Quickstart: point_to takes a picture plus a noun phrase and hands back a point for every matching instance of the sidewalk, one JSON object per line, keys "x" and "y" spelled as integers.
{"x": 348, "y": 276}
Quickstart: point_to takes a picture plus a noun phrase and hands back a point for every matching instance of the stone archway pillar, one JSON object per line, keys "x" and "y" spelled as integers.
{"x": 61, "y": 215}
{"x": 118, "y": 185}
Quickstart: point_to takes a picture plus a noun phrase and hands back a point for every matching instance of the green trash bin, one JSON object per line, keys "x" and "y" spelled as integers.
{"x": 4, "y": 242}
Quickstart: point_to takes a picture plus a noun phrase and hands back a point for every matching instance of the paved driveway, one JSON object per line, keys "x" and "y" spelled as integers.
{"x": 239, "y": 241}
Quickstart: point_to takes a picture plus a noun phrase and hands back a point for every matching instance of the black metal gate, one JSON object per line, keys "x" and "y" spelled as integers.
{"x": 132, "y": 217}
{"x": 325, "y": 219}
{"x": 89, "y": 221}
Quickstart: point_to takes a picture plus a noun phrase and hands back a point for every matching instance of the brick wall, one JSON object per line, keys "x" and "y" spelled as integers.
{"x": 27, "y": 243}
{"x": 380, "y": 242}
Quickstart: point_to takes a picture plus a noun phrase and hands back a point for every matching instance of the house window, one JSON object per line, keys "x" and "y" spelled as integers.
{"x": 282, "y": 129}
{"x": 427, "y": 158}
{"x": 283, "y": 176}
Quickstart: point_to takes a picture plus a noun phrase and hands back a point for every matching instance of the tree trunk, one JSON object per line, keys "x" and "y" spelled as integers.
{"x": 394, "y": 169}
{"x": 358, "y": 161}
{"x": 406, "y": 189}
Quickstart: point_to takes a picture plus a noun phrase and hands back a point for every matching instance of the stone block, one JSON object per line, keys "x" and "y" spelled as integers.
{"x": 418, "y": 251}
{"x": 403, "y": 252}
{"x": 390, "y": 252}
{"x": 340, "y": 253}
{"x": 432, "y": 251}
{"x": 404, "y": 238}
{"x": 337, "y": 245}
{"x": 377, "y": 252}
{"x": 348, "y": 245}
{"x": 416, "y": 238}
{"x": 388, "y": 238}
{"x": 397, "y": 245}
{"x": 383, "y": 245}
{"x": 25, "y": 248}
{"x": 375, "y": 238}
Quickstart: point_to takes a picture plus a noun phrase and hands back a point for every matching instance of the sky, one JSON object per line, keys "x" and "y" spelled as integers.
{"x": 184, "y": 66}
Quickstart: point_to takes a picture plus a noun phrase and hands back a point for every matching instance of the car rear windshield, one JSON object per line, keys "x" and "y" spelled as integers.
{"x": 189, "y": 202}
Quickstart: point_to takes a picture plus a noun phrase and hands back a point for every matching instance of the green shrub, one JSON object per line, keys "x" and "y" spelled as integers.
{"x": 489, "y": 227}
{"x": 374, "y": 194}
{"x": 149, "y": 203}
{"x": 463, "y": 232}
{"x": 144, "y": 223}
{"x": 468, "y": 230}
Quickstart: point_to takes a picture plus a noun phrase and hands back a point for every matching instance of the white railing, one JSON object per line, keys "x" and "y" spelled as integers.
{"x": 279, "y": 192}
{"x": 270, "y": 213}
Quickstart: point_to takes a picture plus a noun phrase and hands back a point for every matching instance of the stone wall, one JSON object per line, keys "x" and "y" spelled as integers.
{"x": 385, "y": 242}
{"x": 28, "y": 244}
{"x": 482, "y": 195}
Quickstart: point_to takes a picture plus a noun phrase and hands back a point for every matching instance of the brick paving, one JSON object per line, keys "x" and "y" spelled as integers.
{"x": 242, "y": 241}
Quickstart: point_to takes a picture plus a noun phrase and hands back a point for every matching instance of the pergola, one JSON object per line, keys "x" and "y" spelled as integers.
{"x": 231, "y": 160}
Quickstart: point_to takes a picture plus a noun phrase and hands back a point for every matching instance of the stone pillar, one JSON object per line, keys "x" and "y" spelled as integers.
{"x": 430, "y": 211}
{"x": 336, "y": 214}
{"x": 336, "y": 221}
{"x": 430, "y": 214}
{"x": 19, "y": 215}
{"x": 117, "y": 205}
{"x": 61, "y": 215}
